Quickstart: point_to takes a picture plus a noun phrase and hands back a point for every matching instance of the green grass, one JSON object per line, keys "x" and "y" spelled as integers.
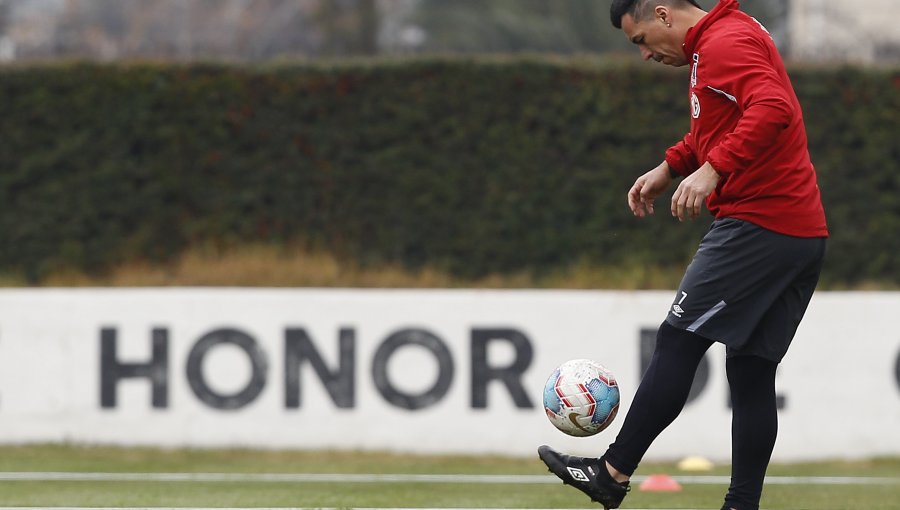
{"x": 451, "y": 495}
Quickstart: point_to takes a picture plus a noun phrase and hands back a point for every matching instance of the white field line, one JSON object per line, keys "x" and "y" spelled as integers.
{"x": 401, "y": 478}
{"x": 279, "y": 508}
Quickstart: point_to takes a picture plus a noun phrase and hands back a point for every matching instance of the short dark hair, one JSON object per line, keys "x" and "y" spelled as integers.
{"x": 640, "y": 9}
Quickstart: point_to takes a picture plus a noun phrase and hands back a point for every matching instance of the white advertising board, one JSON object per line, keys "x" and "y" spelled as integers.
{"x": 441, "y": 371}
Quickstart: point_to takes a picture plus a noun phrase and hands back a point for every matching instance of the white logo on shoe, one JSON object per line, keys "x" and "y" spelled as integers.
{"x": 578, "y": 474}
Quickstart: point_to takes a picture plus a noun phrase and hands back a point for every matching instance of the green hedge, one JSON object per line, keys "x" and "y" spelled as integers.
{"x": 472, "y": 166}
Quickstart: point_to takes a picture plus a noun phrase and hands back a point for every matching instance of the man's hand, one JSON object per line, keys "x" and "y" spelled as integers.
{"x": 687, "y": 202}
{"x": 646, "y": 188}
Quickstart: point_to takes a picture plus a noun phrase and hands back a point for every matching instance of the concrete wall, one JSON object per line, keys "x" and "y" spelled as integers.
{"x": 414, "y": 371}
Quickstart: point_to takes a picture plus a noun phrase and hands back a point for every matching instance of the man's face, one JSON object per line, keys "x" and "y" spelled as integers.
{"x": 655, "y": 40}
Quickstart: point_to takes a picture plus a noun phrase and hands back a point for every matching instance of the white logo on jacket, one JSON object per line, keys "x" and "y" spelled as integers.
{"x": 694, "y": 70}
{"x": 695, "y": 101}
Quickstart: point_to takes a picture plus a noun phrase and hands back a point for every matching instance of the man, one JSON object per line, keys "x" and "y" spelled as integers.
{"x": 754, "y": 272}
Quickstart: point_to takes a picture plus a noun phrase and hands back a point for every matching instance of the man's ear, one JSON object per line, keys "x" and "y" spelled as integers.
{"x": 663, "y": 14}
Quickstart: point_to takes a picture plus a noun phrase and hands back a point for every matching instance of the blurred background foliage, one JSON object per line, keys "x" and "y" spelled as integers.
{"x": 266, "y": 29}
{"x": 472, "y": 166}
{"x": 571, "y": 26}
{"x": 471, "y": 138}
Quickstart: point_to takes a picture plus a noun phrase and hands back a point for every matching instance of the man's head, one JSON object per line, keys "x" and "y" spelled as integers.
{"x": 658, "y": 27}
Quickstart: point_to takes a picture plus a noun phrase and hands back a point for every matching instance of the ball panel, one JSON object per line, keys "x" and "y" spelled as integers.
{"x": 552, "y": 401}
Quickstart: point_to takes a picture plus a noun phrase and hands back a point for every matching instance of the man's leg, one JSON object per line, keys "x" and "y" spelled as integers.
{"x": 660, "y": 397}
{"x": 751, "y": 377}
{"x": 754, "y": 427}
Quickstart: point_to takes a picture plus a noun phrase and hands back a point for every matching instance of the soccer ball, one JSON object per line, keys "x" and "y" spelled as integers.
{"x": 581, "y": 397}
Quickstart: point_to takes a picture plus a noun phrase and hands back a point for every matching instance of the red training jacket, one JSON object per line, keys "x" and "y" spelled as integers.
{"x": 747, "y": 122}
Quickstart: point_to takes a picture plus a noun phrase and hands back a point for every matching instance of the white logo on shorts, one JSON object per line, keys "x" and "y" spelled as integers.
{"x": 578, "y": 474}
{"x": 677, "y": 310}
{"x": 695, "y": 106}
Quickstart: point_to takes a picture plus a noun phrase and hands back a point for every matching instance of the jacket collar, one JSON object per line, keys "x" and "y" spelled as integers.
{"x": 692, "y": 38}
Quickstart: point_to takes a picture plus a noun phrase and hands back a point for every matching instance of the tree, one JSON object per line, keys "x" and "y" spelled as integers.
{"x": 350, "y": 27}
{"x": 473, "y": 26}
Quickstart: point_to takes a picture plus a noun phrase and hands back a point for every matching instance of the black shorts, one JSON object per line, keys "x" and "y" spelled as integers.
{"x": 748, "y": 288}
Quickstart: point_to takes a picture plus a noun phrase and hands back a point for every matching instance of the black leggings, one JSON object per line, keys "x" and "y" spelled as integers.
{"x": 663, "y": 392}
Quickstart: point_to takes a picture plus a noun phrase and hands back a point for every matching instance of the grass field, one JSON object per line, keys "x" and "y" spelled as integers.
{"x": 270, "y": 266}
{"x": 40, "y": 476}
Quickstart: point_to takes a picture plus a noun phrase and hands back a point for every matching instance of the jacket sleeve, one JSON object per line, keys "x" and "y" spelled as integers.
{"x": 682, "y": 158}
{"x": 747, "y": 72}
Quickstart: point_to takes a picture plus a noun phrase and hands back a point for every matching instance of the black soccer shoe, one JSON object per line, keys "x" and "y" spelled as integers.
{"x": 589, "y": 475}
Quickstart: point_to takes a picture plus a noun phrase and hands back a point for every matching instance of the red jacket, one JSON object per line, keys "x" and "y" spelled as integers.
{"x": 747, "y": 122}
